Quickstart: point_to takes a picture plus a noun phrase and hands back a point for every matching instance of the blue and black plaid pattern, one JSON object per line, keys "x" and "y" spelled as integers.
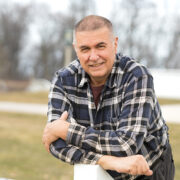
{"x": 127, "y": 120}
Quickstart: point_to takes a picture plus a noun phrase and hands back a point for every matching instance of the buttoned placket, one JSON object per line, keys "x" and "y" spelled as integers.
{"x": 91, "y": 106}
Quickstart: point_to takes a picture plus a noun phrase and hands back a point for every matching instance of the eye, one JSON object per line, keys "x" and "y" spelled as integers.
{"x": 101, "y": 46}
{"x": 84, "y": 49}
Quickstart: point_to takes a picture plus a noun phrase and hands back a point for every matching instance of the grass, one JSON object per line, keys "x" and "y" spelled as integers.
{"x": 22, "y": 154}
{"x": 42, "y": 97}
{"x": 164, "y": 101}
{"x": 28, "y": 97}
{"x": 174, "y": 131}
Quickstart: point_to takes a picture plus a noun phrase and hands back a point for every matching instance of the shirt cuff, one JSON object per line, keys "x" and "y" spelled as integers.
{"x": 75, "y": 134}
{"x": 91, "y": 158}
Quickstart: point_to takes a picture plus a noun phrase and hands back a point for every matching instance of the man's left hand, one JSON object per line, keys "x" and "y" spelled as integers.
{"x": 56, "y": 129}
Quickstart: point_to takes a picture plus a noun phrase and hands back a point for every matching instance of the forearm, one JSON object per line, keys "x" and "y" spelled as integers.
{"x": 72, "y": 154}
{"x": 134, "y": 165}
{"x": 105, "y": 142}
{"x": 106, "y": 162}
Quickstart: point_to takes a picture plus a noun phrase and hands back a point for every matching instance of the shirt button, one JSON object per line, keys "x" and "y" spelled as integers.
{"x": 93, "y": 106}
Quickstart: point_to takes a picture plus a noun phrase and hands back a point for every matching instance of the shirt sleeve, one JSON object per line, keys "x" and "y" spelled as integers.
{"x": 57, "y": 104}
{"x": 136, "y": 115}
{"x": 72, "y": 154}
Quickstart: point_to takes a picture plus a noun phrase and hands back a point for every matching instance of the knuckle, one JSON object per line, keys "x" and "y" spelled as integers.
{"x": 128, "y": 171}
{"x": 140, "y": 158}
{"x": 133, "y": 172}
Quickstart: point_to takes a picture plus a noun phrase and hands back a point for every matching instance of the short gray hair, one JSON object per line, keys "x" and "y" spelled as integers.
{"x": 92, "y": 22}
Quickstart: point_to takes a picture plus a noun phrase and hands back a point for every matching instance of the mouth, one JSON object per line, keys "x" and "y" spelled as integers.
{"x": 96, "y": 65}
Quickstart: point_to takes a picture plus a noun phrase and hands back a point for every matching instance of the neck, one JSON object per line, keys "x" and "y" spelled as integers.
{"x": 98, "y": 82}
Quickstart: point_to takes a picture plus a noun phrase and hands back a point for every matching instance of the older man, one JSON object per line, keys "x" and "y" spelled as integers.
{"x": 103, "y": 110}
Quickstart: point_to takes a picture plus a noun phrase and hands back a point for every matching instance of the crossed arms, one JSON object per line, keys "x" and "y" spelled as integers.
{"x": 82, "y": 147}
{"x": 135, "y": 164}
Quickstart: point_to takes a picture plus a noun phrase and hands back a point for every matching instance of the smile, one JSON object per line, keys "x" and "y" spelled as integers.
{"x": 96, "y": 65}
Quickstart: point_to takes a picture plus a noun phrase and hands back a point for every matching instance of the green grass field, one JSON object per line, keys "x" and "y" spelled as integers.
{"x": 22, "y": 154}
{"x": 29, "y": 97}
{"x": 23, "y": 157}
{"x": 42, "y": 97}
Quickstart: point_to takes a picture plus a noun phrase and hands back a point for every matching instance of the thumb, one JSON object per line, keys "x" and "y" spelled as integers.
{"x": 149, "y": 173}
{"x": 64, "y": 116}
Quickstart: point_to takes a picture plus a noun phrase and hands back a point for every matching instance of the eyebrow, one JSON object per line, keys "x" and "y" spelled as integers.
{"x": 83, "y": 47}
{"x": 99, "y": 44}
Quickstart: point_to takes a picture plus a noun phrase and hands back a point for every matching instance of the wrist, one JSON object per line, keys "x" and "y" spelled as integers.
{"x": 106, "y": 162}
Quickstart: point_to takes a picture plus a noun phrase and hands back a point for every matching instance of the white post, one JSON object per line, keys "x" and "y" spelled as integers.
{"x": 90, "y": 172}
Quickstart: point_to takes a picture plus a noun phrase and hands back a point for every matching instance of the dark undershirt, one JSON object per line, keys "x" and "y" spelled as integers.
{"x": 96, "y": 93}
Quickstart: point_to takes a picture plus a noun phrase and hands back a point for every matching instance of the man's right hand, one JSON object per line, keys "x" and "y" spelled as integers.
{"x": 54, "y": 130}
{"x": 134, "y": 165}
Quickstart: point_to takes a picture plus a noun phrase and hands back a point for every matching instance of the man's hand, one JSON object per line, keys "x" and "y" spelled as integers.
{"x": 134, "y": 165}
{"x": 56, "y": 129}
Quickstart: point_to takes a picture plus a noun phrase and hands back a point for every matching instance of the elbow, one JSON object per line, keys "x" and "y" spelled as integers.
{"x": 56, "y": 147}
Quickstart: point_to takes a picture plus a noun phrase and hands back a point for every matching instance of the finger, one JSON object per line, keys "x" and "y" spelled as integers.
{"x": 64, "y": 116}
{"x": 44, "y": 138}
{"x": 134, "y": 171}
{"x": 47, "y": 147}
{"x": 149, "y": 172}
{"x": 144, "y": 168}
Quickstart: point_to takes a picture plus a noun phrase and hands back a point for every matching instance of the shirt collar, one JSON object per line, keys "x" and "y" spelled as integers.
{"x": 113, "y": 79}
{"x": 83, "y": 77}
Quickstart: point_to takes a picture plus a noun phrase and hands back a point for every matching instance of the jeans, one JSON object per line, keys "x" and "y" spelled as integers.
{"x": 164, "y": 168}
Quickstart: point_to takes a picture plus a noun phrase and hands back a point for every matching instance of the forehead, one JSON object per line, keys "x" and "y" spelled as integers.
{"x": 93, "y": 37}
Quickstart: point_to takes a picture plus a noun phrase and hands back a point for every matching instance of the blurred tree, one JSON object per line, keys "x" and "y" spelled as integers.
{"x": 142, "y": 35}
{"x": 76, "y": 11}
{"x": 173, "y": 50}
{"x": 13, "y": 26}
{"x": 80, "y": 8}
{"x": 135, "y": 27}
{"x": 49, "y": 52}
{"x": 146, "y": 36}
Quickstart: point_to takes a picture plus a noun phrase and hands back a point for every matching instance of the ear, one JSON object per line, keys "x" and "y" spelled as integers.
{"x": 74, "y": 46}
{"x": 116, "y": 43}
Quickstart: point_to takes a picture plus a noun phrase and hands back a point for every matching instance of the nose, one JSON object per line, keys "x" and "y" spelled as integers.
{"x": 93, "y": 55}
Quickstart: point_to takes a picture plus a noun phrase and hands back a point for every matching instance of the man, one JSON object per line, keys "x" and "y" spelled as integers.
{"x": 103, "y": 110}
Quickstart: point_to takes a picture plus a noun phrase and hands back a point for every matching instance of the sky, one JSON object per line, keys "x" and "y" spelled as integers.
{"x": 105, "y": 6}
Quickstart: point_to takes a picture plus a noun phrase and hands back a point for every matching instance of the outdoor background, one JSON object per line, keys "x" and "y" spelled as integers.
{"x": 35, "y": 41}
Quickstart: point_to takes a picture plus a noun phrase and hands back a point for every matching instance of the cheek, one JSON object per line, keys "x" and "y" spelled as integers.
{"x": 111, "y": 58}
{"x": 82, "y": 57}
{"x": 110, "y": 55}
{"x": 83, "y": 61}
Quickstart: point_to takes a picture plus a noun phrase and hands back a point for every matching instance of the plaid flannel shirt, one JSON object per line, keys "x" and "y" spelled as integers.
{"x": 127, "y": 120}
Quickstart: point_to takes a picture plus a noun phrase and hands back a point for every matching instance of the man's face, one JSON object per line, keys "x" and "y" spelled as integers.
{"x": 96, "y": 51}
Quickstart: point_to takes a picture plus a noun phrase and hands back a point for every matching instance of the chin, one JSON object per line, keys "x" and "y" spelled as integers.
{"x": 97, "y": 75}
